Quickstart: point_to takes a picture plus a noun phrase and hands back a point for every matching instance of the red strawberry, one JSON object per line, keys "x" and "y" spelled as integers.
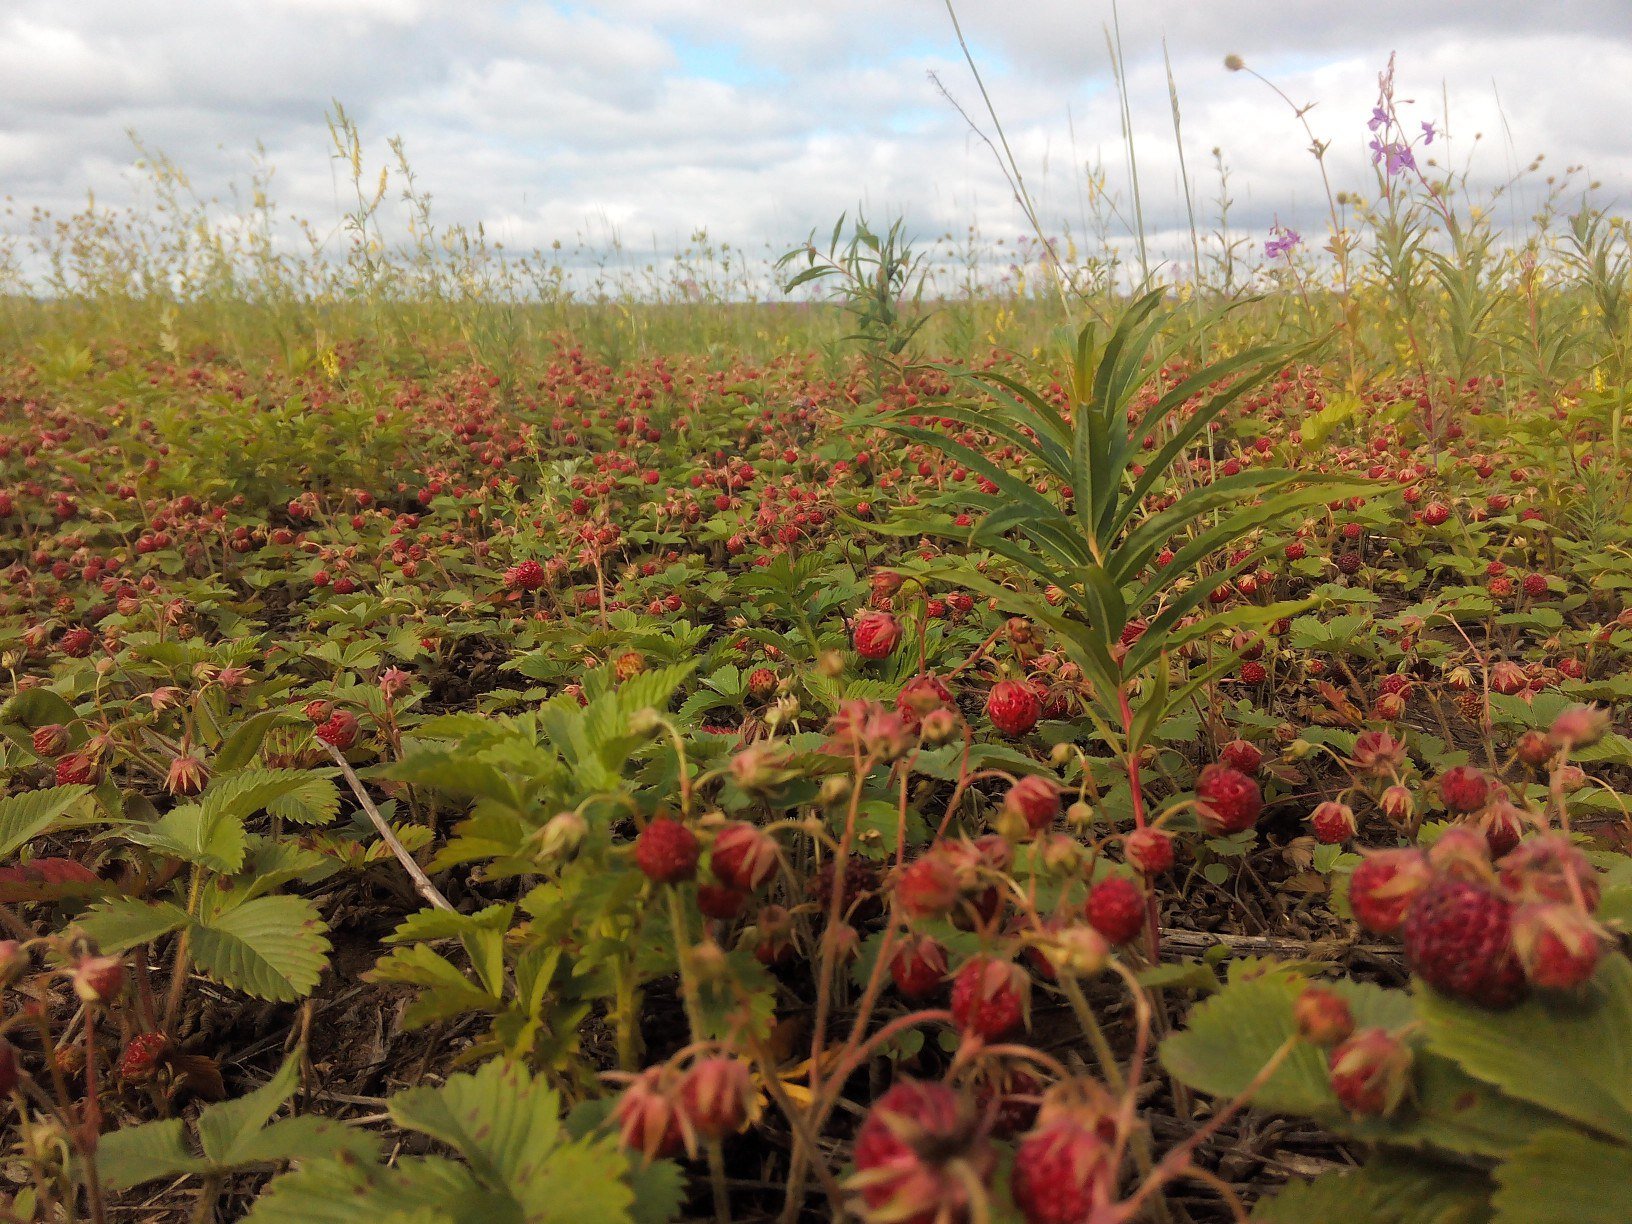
{"x": 97, "y": 979}
{"x": 1550, "y": 868}
{"x": 529, "y": 575}
{"x": 50, "y": 741}
{"x": 875, "y": 634}
{"x": 920, "y": 1155}
{"x": 340, "y": 730}
{"x": 1458, "y": 938}
{"x": 1332, "y": 822}
{"x": 1383, "y": 887}
{"x": 989, "y": 998}
{"x": 744, "y": 856}
{"x": 141, "y": 1055}
{"x": 78, "y": 768}
{"x": 1242, "y": 755}
{"x": 761, "y": 683}
{"x": 720, "y": 901}
{"x": 1035, "y": 800}
{"x": 1116, "y": 909}
{"x": 1227, "y": 800}
{"x": 918, "y": 967}
{"x": 1150, "y": 851}
{"x": 1008, "y": 1095}
{"x": 1535, "y": 585}
{"x": 1061, "y": 1173}
{"x": 648, "y": 1114}
{"x": 1464, "y": 789}
{"x": 666, "y": 851}
{"x": 1013, "y": 707}
{"x": 1370, "y": 1073}
{"x": 1557, "y": 944}
{"x": 927, "y": 887}
{"x": 716, "y": 1095}
{"x": 921, "y": 695}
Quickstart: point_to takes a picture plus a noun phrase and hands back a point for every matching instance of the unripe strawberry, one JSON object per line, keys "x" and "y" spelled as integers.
{"x": 1242, "y": 755}
{"x": 1035, "y": 801}
{"x": 340, "y": 730}
{"x": 876, "y": 634}
{"x": 918, "y": 967}
{"x": 1370, "y": 1073}
{"x": 1116, "y": 909}
{"x": 921, "y": 1156}
{"x": 1227, "y": 801}
{"x": 98, "y": 979}
{"x": 1062, "y": 1172}
{"x": 744, "y": 856}
{"x": 1458, "y": 938}
{"x": 1013, "y": 707}
{"x": 648, "y": 1115}
{"x": 1462, "y": 852}
{"x": 716, "y": 1096}
{"x": 1502, "y": 823}
{"x": 1508, "y": 678}
{"x": 1322, "y": 1016}
{"x": 922, "y": 694}
{"x": 1558, "y": 945}
{"x": 50, "y": 741}
{"x": 1378, "y": 752}
{"x": 187, "y": 776}
{"x": 1383, "y": 887}
{"x": 317, "y": 711}
{"x": 928, "y": 886}
{"x": 1464, "y": 789}
{"x": 1579, "y": 726}
{"x": 1333, "y": 823}
{"x": 938, "y": 727}
{"x": 761, "y": 683}
{"x": 1072, "y": 950}
{"x": 990, "y": 998}
{"x": 666, "y": 851}
{"x": 1149, "y": 851}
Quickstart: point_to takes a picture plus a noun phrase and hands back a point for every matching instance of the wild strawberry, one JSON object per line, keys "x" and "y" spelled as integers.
{"x": 921, "y": 1156}
{"x": 1240, "y": 754}
{"x": 1535, "y": 749}
{"x": 1550, "y": 868}
{"x": 1227, "y": 801}
{"x": 921, "y": 695}
{"x": 1398, "y": 804}
{"x": 1348, "y": 563}
{"x": 772, "y": 935}
{"x": 1508, "y": 678}
{"x": 1458, "y": 938}
{"x": 1149, "y": 851}
{"x": 140, "y": 1057}
{"x": 1013, "y": 707}
{"x": 1035, "y": 801}
{"x": 97, "y": 979}
{"x": 78, "y": 768}
{"x": 1384, "y": 886}
{"x": 1579, "y": 726}
{"x": 1062, "y": 1172}
{"x": 1332, "y": 822}
{"x": 77, "y": 642}
{"x": 50, "y": 741}
{"x": 1008, "y": 1095}
{"x": 1535, "y": 585}
{"x": 761, "y": 683}
{"x": 187, "y": 776}
{"x": 1253, "y": 673}
{"x": 918, "y": 967}
{"x": 1558, "y": 945}
{"x": 1461, "y": 851}
{"x": 1296, "y": 551}
{"x": 989, "y": 998}
{"x": 720, "y": 901}
{"x": 1370, "y": 1073}
{"x": 648, "y": 1116}
{"x": 875, "y": 634}
{"x": 1503, "y": 823}
{"x": 928, "y": 886}
{"x": 1464, "y": 789}
{"x": 861, "y": 886}
{"x": 1322, "y": 1016}
{"x": 1116, "y": 909}
{"x": 744, "y": 856}
{"x": 1378, "y": 752}
{"x": 1067, "y": 949}
{"x": 628, "y": 665}
{"x": 340, "y": 730}
{"x": 666, "y": 851}
{"x": 1394, "y": 684}
{"x": 716, "y": 1096}
{"x": 1436, "y": 513}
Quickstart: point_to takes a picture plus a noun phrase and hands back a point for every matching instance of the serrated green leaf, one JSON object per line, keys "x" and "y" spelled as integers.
{"x": 132, "y": 1155}
{"x": 271, "y": 947}
{"x": 415, "y": 1190}
{"x": 124, "y": 922}
{"x": 1565, "y": 1177}
{"x": 1571, "y": 1054}
{"x": 1388, "y": 1189}
{"x": 26, "y": 816}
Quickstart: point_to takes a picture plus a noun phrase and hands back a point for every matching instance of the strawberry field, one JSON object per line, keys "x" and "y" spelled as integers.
{"x": 1110, "y": 757}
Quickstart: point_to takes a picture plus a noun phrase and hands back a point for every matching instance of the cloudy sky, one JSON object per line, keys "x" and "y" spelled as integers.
{"x": 759, "y": 119}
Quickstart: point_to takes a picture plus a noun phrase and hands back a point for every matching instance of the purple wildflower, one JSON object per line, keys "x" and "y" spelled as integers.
{"x": 1281, "y": 242}
{"x": 1395, "y": 155}
{"x": 1428, "y": 133}
{"x": 1379, "y": 117}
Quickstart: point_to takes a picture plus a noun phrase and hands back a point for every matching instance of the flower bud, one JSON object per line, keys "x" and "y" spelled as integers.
{"x": 98, "y": 979}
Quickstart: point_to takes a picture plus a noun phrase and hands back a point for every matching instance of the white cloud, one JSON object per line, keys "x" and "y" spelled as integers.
{"x": 761, "y": 121}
